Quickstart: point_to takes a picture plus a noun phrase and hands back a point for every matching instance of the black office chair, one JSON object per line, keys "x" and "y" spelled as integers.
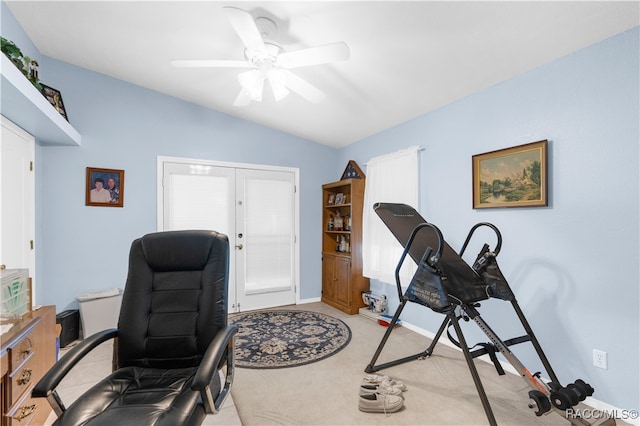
{"x": 171, "y": 341}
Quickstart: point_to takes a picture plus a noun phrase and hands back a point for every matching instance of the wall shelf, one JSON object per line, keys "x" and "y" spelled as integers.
{"x": 27, "y": 108}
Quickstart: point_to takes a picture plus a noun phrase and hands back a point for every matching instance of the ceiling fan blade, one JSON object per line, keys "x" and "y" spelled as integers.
{"x": 315, "y": 55}
{"x": 244, "y": 24}
{"x": 196, "y": 63}
{"x": 302, "y": 87}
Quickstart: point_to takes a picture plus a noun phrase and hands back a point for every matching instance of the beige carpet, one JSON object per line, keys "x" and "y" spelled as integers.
{"x": 440, "y": 388}
{"x": 441, "y": 391}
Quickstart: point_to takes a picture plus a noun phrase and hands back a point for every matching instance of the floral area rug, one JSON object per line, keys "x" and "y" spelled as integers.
{"x": 281, "y": 339}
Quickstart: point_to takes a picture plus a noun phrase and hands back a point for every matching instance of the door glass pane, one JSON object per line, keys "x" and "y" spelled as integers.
{"x": 199, "y": 202}
{"x": 269, "y": 230}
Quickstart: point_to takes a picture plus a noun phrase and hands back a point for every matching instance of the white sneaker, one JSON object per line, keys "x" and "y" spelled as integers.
{"x": 375, "y": 379}
{"x": 396, "y": 384}
{"x": 378, "y": 403}
{"x": 384, "y": 388}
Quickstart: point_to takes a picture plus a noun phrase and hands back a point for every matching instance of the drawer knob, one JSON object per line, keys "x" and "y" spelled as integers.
{"x": 24, "y": 412}
{"x": 28, "y": 348}
{"x": 25, "y": 377}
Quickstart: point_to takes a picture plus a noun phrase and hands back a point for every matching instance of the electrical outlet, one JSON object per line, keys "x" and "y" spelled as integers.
{"x": 600, "y": 359}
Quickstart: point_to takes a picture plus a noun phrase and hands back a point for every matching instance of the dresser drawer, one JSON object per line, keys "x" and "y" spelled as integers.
{"x": 22, "y": 377}
{"x": 21, "y": 350}
{"x": 28, "y": 351}
{"x": 26, "y": 409}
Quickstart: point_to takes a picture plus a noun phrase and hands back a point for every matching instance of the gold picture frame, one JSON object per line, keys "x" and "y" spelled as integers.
{"x": 511, "y": 177}
{"x": 105, "y": 187}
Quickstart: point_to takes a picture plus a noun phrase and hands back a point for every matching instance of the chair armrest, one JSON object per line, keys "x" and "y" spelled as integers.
{"x": 220, "y": 346}
{"x": 59, "y": 370}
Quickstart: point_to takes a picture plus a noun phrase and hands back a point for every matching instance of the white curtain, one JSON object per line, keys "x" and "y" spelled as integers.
{"x": 391, "y": 178}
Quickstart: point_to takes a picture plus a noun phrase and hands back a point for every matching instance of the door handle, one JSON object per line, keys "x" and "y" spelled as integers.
{"x": 239, "y": 246}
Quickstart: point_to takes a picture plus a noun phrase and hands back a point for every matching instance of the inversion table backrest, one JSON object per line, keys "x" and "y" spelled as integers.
{"x": 462, "y": 282}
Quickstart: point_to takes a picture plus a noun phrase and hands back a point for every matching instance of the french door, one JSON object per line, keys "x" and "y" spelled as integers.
{"x": 255, "y": 207}
{"x": 17, "y": 200}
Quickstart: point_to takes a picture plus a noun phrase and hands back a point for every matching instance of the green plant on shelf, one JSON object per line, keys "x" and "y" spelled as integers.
{"x": 26, "y": 65}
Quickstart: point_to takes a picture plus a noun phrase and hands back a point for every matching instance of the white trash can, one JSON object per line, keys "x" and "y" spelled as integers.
{"x": 99, "y": 310}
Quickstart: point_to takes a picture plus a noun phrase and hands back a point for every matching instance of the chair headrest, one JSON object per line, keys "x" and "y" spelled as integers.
{"x": 180, "y": 250}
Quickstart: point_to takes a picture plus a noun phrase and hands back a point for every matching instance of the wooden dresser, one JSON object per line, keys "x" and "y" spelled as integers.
{"x": 28, "y": 351}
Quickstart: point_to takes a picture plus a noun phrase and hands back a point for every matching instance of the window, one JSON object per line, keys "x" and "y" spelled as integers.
{"x": 391, "y": 178}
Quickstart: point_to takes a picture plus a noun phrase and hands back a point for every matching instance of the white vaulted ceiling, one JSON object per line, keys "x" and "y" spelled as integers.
{"x": 407, "y": 57}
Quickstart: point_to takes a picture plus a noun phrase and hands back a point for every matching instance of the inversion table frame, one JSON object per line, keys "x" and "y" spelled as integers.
{"x": 445, "y": 283}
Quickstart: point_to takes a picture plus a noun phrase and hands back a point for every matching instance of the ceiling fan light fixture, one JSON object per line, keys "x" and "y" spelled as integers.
{"x": 278, "y": 85}
{"x": 252, "y": 83}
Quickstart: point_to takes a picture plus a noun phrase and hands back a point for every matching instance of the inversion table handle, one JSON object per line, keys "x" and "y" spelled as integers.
{"x": 473, "y": 229}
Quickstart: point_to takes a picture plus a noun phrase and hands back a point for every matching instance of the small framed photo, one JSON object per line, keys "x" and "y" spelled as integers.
{"x": 55, "y": 98}
{"x": 340, "y": 198}
{"x": 511, "y": 177}
{"x": 331, "y": 199}
{"x": 105, "y": 187}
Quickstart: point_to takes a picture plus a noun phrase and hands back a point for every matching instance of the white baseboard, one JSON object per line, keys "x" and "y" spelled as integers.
{"x": 311, "y": 300}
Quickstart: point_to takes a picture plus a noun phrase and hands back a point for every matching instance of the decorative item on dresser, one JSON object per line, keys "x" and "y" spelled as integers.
{"x": 28, "y": 351}
{"x": 342, "y": 280}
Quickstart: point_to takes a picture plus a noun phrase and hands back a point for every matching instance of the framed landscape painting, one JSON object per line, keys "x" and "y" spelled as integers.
{"x": 511, "y": 177}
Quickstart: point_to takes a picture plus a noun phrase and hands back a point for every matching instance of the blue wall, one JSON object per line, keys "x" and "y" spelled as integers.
{"x": 573, "y": 265}
{"x": 126, "y": 127}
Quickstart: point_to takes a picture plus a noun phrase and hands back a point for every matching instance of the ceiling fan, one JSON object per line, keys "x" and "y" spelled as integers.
{"x": 269, "y": 61}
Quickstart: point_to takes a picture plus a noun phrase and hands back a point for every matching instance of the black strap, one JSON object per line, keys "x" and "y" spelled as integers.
{"x": 491, "y": 350}
{"x": 487, "y": 348}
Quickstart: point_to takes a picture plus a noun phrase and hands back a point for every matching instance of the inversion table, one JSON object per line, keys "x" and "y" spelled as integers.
{"x": 445, "y": 283}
